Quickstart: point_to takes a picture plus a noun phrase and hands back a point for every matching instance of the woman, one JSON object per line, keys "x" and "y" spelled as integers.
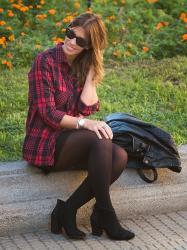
{"x": 62, "y": 91}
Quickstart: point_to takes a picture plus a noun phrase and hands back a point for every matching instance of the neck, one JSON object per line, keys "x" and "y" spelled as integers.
{"x": 70, "y": 58}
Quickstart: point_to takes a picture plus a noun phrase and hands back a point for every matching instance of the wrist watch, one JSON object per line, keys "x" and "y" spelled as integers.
{"x": 80, "y": 123}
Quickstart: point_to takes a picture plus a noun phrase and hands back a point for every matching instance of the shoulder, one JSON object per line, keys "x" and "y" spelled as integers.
{"x": 48, "y": 56}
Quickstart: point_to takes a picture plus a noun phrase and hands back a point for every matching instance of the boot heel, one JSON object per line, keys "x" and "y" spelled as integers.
{"x": 95, "y": 229}
{"x": 55, "y": 224}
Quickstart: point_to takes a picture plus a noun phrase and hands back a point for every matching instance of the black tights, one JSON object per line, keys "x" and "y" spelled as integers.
{"x": 104, "y": 161}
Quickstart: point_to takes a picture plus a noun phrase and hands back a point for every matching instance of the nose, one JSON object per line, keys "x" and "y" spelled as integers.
{"x": 73, "y": 41}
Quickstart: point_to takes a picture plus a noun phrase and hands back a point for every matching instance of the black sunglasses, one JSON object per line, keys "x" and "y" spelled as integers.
{"x": 79, "y": 40}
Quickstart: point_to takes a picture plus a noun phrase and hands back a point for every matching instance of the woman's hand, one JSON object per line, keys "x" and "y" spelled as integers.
{"x": 99, "y": 127}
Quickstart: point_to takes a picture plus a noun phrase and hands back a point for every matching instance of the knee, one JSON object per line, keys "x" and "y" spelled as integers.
{"x": 120, "y": 157}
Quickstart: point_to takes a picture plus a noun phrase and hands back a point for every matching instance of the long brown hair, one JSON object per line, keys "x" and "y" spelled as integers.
{"x": 96, "y": 34}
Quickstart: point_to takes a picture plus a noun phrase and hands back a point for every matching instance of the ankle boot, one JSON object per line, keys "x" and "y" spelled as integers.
{"x": 64, "y": 216}
{"x": 104, "y": 219}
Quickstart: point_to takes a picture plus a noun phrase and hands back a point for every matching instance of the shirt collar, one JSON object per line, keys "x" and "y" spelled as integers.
{"x": 60, "y": 55}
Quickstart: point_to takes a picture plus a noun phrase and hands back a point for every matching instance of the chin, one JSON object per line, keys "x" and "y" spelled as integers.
{"x": 68, "y": 50}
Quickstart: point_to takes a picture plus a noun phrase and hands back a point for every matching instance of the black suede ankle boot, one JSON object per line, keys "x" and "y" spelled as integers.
{"x": 64, "y": 216}
{"x": 104, "y": 219}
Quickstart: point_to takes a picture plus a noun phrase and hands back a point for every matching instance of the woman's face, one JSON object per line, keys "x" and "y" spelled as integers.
{"x": 70, "y": 46}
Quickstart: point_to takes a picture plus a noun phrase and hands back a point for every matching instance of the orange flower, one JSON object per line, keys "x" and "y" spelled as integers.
{"x": 127, "y": 53}
{"x": 9, "y": 55}
{"x": 77, "y": 5}
{"x": 23, "y": 34}
{"x": 3, "y": 41}
{"x": 145, "y": 49}
{"x": 24, "y": 8}
{"x": 8, "y": 28}
{"x": 41, "y": 16}
{"x": 7, "y": 63}
{"x": 182, "y": 15}
{"x": 2, "y": 23}
{"x": 11, "y": 38}
{"x": 185, "y": 20}
{"x": 117, "y": 53}
{"x": 10, "y": 13}
{"x": 184, "y": 37}
{"x": 1, "y": 10}
{"x": 152, "y": 1}
{"x": 38, "y": 6}
{"x": 68, "y": 19}
{"x": 42, "y": 2}
{"x": 37, "y": 46}
{"x": 52, "y": 11}
{"x": 30, "y": 7}
{"x": 111, "y": 17}
{"x": 57, "y": 39}
{"x": 161, "y": 24}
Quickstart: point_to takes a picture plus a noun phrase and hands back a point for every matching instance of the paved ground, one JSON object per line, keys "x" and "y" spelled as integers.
{"x": 164, "y": 231}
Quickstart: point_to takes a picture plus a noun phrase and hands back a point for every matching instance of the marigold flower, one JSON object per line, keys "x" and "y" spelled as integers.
{"x": 3, "y": 41}
{"x": 10, "y": 13}
{"x": 185, "y": 20}
{"x": 57, "y": 39}
{"x": 182, "y": 15}
{"x": 145, "y": 49}
{"x": 68, "y": 19}
{"x": 38, "y": 6}
{"x": 7, "y": 63}
{"x": 77, "y": 5}
{"x": 41, "y": 16}
{"x": 8, "y": 28}
{"x": 9, "y": 55}
{"x": 184, "y": 37}
{"x": 16, "y": 6}
{"x": 127, "y": 53}
{"x": 37, "y": 46}
{"x": 152, "y": 1}
{"x": 11, "y": 37}
{"x": 30, "y": 7}
{"x": 24, "y": 8}
{"x": 63, "y": 30}
{"x": 23, "y": 34}
{"x": 52, "y": 11}
{"x": 117, "y": 53}
{"x": 161, "y": 24}
{"x": 42, "y": 2}
{"x": 1, "y": 10}
{"x": 2, "y": 23}
{"x": 111, "y": 17}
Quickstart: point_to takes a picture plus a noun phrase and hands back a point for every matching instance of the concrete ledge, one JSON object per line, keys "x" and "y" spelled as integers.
{"x": 27, "y": 196}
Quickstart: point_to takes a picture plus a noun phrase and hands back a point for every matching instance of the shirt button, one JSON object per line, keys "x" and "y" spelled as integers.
{"x": 146, "y": 161}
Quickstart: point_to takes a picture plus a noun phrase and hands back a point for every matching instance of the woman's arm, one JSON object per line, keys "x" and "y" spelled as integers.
{"x": 89, "y": 94}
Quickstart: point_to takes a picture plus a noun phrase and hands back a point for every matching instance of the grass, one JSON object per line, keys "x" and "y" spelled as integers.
{"x": 155, "y": 91}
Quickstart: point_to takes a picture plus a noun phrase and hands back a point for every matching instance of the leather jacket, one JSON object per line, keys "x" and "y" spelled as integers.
{"x": 146, "y": 145}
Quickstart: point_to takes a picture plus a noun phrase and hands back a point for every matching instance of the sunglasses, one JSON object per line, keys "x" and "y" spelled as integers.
{"x": 79, "y": 40}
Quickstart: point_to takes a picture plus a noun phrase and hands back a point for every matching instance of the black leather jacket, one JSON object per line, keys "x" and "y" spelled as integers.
{"x": 146, "y": 144}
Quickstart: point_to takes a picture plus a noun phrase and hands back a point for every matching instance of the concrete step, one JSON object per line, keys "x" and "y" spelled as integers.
{"x": 28, "y": 196}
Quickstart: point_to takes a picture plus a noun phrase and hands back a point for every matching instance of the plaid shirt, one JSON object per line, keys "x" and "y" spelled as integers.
{"x": 53, "y": 92}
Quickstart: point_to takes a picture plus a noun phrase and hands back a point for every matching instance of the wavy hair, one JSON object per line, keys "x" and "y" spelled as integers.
{"x": 97, "y": 39}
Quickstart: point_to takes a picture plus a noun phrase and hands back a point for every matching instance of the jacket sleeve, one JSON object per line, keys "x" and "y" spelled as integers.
{"x": 41, "y": 92}
{"x": 87, "y": 110}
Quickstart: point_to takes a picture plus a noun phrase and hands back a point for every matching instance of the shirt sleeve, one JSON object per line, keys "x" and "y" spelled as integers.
{"x": 87, "y": 110}
{"x": 41, "y": 92}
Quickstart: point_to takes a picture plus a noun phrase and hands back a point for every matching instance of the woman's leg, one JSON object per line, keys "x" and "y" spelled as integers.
{"x": 104, "y": 160}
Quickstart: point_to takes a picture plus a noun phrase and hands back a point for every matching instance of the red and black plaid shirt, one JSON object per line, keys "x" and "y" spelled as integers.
{"x": 53, "y": 92}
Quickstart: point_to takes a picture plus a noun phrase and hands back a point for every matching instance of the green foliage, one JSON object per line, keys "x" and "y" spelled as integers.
{"x": 136, "y": 29}
{"x": 155, "y": 91}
